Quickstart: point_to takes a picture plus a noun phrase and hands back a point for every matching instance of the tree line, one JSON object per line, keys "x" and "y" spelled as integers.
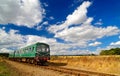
{"x": 113, "y": 51}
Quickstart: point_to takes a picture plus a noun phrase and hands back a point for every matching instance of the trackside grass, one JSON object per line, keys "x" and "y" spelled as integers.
{"x": 105, "y": 64}
{"x": 5, "y": 69}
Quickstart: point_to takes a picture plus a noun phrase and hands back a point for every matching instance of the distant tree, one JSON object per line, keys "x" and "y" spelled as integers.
{"x": 4, "y": 54}
{"x": 113, "y": 51}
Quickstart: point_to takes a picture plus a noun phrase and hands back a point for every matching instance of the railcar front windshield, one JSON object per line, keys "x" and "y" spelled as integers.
{"x": 42, "y": 48}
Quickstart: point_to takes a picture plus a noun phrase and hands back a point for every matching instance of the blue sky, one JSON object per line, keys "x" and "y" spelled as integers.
{"x": 69, "y": 26}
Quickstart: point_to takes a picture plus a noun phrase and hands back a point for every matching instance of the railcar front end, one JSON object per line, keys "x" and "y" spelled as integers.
{"x": 42, "y": 53}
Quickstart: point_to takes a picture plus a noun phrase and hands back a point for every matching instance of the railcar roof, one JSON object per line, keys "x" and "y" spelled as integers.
{"x": 34, "y": 45}
{"x": 40, "y": 43}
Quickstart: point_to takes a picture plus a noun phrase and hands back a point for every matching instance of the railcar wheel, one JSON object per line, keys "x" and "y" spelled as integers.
{"x": 31, "y": 61}
{"x": 35, "y": 62}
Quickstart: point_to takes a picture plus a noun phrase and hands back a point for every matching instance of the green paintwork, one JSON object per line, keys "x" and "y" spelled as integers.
{"x": 29, "y": 51}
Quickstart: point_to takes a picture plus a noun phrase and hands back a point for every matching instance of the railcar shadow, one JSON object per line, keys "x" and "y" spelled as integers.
{"x": 57, "y": 64}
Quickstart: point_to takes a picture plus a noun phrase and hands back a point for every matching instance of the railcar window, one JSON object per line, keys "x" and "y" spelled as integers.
{"x": 26, "y": 49}
{"x": 39, "y": 48}
{"x": 47, "y": 49}
{"x": 21, "y": 51}
{"x": 42, "y": 48}
{"x": 33, "y": 49}
{"x": 29, "y": 49}
{"x": 17, "y": 52}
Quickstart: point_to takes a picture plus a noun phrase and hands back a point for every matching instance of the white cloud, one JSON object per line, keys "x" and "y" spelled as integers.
{"x": 115, "y": 43}
{"x": 95, "y": 43}
{"x": 119, "y": 37}
{"x": 86, "y": 33}
{"x": 72, "y": 52}
{"x": 3, "y": 28}
{"x": 45, "y": 4}
{"x": 4, "y": 50}
{"x": 45, "y": 23}
{"x": 13, "y": 40}
{"x": 39, "y": 27}
{"x": 77, "y": 17}
{"x": 99, "y": 22}
{"x": 83, "y": 32}
{"x": 26, "y": 13}
{"x": 10, "y": 39}
{"x": 51, "y": 17}
{"x": 34, "y": 38}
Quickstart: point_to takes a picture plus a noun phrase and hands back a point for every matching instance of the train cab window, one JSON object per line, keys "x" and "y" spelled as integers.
{"x": 42, "y": 48}
{"x": 39, "y": 48}
{"x": 47, "y": 49}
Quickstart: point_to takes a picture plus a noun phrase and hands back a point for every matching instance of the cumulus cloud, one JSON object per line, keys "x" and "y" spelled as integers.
{"x": 72, "y": 52}
{"x": 115, "y": 43}
{"x": 77, "y": 17}
{"x": 45, "y": 4}
{"x": 12, "y": 40}
{"x": 119, "y": 37}
{"x": 95, "y": 43}
{"x": 99, "y": 22}
{"x": 34, "y": 38}
{"x": 84, "y": 31}
{"x": 21, "y": 12}
{"x": 39, "y": 27}
{"x": 5, "y": 50}
{"x": 51, "y": 18}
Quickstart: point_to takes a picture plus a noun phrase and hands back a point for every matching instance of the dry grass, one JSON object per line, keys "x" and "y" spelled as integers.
{"x": 5, "y": 69}
{"x": 106, "y": 64}
{"x": 30, "y": 70}
{"x": 1, "y": 59}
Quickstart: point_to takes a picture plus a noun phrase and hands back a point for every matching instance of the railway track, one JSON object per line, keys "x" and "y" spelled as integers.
{"x": 71, "y": 71}
{"x": 75, "y": 71}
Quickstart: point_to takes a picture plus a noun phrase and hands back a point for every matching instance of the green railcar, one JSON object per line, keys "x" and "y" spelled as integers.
{"x": 38, "y": 52}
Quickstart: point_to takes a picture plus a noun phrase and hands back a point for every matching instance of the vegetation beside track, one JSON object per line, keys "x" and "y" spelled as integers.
{"x": 113, "y": 51}
{"x": 104, "y": 64}
{"x": 6, "y": 70}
